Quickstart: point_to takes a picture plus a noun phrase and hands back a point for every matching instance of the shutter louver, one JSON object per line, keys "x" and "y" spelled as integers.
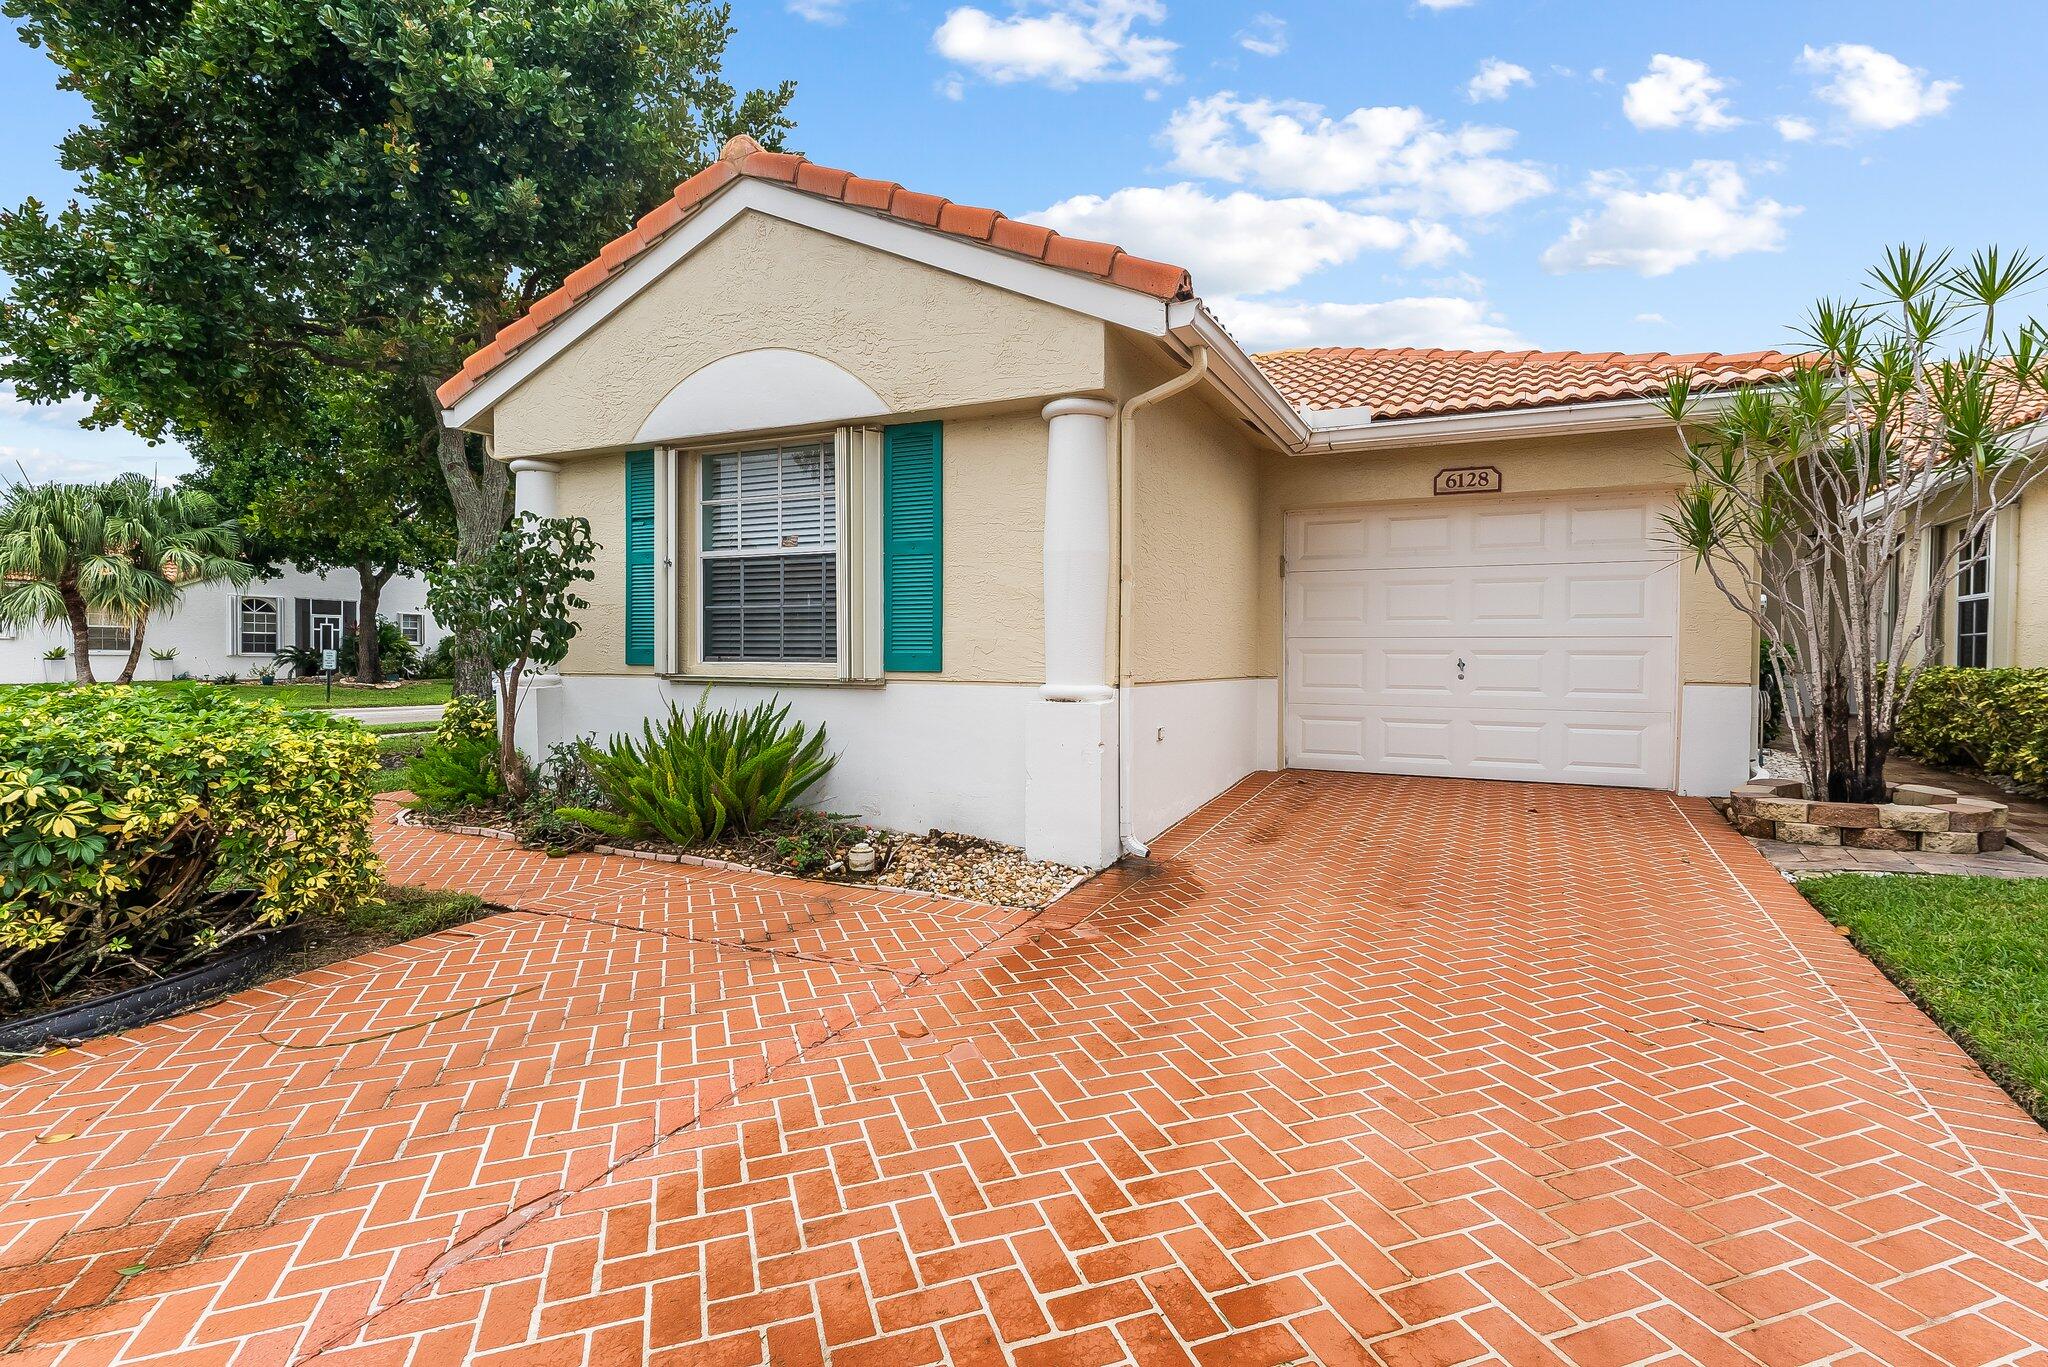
{"x": 913, "y": 593}
{"x": 640, "y": 557}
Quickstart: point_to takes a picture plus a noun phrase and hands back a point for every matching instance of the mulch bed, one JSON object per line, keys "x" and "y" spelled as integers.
{"x": 942, "y": 863}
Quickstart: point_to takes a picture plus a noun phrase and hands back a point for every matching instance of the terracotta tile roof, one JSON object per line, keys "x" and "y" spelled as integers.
{"x": 744, "y": 157}
{"x": 1404, "y": 382}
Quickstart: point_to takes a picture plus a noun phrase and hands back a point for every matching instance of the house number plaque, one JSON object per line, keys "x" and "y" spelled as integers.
{"x": 1472, "y": 479}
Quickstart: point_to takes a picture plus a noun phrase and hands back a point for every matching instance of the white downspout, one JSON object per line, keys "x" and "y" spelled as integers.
{"x": 1127, "y": 582}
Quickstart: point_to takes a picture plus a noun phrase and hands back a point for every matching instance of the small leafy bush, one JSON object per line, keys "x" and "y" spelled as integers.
{"x": 454, "y": 776}
{"x": 398, "y": 657}
{"x": 562, "y": 781}
{"x": 438, "y": 662}
{"x": 698, "y": 776}
{"x": 1994, "y": 720}
{"x": 467, "y": 715}
{"x": 302, "y": 661}
{"x": 141, "y": 829}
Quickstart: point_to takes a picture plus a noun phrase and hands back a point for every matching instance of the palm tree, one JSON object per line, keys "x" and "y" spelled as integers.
{"x": 126, "y": 548}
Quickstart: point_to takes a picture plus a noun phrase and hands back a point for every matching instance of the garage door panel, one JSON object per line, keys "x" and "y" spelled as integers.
{"x": 1536, "y": 745}
{"x": 1533, "y": 640}
{"x": 1557, "y": 530}
{"x": 1598, "y": 673}
{"x": 1634, "y": 599}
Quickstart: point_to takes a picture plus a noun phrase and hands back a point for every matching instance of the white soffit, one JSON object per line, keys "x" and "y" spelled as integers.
{"x": 769, "y": 387}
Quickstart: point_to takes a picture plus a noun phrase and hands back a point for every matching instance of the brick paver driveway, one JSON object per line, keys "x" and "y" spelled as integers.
{"x": 1367, "y": 1069}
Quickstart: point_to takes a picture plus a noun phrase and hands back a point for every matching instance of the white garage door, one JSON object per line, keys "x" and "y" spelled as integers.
{"x": 1533, "y": 639}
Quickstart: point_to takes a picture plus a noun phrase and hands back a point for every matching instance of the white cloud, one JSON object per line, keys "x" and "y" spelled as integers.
{"x": 1655, "y": 319}
{"x": 1704, "y": 211}
{"x": 1398, "y": 158}
{"x": 1425, "y": 321}
{"x": 46, "y": 441}
{"x": 1242, "y": 243}
{"x": 820, "y": 11}
{"x": 1875, "y": 89}
{"x": 1793, "y": 129}
{"x": 40, "y": 464}
{"x": 1061, "y": 42}
{"x": 1677, "y": 92}
{"x": 1495, "y": 79}
{"x": 950, "y": 86}
{"x": 1443, "y": 4}
{"x": 1265, "y": 35}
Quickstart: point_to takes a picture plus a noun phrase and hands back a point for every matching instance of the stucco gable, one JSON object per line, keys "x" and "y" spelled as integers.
{"x": 921, "y": 338}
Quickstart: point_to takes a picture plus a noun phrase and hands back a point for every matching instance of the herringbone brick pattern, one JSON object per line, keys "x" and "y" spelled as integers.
{"x": 1362, "y": 1070}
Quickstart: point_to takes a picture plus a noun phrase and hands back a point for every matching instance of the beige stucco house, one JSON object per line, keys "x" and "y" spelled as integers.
{"x": 1054, "y": 560}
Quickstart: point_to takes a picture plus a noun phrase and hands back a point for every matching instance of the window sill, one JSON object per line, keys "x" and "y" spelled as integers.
{"x": 770, "y": 681}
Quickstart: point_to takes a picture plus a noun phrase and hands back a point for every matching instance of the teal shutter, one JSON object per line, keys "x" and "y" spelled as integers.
{"x": 913, "y": 595}
{"x": 640, "y": 557}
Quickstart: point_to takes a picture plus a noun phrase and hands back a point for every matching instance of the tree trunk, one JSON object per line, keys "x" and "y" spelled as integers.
{"x": 81, "y": 631}
{"x": 511, "y": 767}
{"x": 482, "y": 494}
{"x": 369, "y": 648}
{"x": 135, "y": 633}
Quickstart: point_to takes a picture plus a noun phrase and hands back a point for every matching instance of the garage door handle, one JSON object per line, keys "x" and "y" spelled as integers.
{"x": 1461, "y": 669}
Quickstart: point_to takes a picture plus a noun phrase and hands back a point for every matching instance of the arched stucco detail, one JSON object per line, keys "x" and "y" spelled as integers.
{"x": 763, "y": 388}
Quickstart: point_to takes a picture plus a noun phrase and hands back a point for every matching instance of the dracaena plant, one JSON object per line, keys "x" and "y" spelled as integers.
{"x": 1835, "y": 507}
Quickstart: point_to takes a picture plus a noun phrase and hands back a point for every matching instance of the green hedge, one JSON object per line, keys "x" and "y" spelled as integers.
{"x": 1995, "y": 720}
{"x": 141, "y": 828}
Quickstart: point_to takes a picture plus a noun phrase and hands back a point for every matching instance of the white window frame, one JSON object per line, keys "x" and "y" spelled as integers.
{"x": 767, "y": 669}
{"x": 857, "y": 531}
{"x": 91, "y": 626}
{"x": 1984, "y": 542}
{"x": 276, "y": 617}
{"x": 413, "y": 626}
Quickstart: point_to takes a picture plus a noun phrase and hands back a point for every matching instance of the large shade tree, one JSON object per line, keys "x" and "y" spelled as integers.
{"x": 1836, "y": 508}
{"x": 126, "y": 549}
{"x": 268, "y": 185}
{"x": 354, "y": 488}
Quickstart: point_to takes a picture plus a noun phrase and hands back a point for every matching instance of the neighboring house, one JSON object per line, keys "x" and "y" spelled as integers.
{"x": 1054, "y": 560}
{"x": 1991, "y": 616}
{"x": 220, "y": 629}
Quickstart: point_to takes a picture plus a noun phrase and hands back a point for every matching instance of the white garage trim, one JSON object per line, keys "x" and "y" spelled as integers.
{"x": 1532, "y": 639}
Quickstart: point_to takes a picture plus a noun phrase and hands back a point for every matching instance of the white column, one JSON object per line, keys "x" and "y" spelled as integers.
{"x": 1070, "y": 756}
{"x": 1077, "y": 583}
{"x": 533, "y": 487}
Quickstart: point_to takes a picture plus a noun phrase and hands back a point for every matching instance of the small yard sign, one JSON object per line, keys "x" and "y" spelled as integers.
{"x": 1471, "y": 479}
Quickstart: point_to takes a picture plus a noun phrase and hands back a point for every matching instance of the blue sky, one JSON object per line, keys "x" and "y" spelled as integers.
{"x": 1551, "y": 173}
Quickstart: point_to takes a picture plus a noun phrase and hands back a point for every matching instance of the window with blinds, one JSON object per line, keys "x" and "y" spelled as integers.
{"x": 770, "y": 555}
{"x": 109, "y": 632}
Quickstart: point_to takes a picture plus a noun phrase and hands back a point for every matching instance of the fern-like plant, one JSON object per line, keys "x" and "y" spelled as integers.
{"x": 698, "y": 775}
{"x": 453, "y": 775}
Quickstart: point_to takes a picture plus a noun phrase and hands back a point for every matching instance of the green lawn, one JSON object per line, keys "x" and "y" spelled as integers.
{"x": 408, "y": 913}
{"x": 418, "y": 693}
{"x": 1973, "y": 951}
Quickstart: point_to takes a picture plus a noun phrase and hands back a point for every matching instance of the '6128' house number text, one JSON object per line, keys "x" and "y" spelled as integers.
{"x": 1472, "y": 479}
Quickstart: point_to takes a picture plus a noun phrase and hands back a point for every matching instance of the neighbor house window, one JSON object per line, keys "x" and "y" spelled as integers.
{"x": 256, "y": 626}
{"x": 769, "y": 555}
{"x": 1973, "y": 602}
{"x": 413, "y": 627}
{"x": 109, "y": 632}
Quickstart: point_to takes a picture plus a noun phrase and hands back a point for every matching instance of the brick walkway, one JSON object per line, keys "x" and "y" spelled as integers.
{"x": 1366, "y": 1069}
